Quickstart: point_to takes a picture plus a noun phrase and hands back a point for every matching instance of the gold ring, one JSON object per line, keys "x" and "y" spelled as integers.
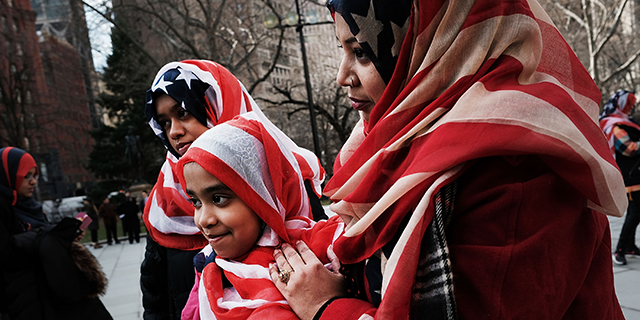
{"x": 285, "y": 275}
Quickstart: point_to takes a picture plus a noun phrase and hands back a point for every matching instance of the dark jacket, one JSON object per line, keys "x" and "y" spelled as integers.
{"x": 629, "y": 166}
{"x": 108, "y": 214}
{"x": 166, "y": 279}
{"x": 48, "y": 276}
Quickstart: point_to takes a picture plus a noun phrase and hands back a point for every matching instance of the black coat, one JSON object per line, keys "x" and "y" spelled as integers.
{"x": 166, "y": 279}
{"x": 629, "y": 166}
{"x": 41, "y": 280}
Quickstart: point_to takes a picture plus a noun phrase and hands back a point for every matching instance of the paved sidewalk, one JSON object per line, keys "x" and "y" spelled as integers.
{"x": 627, "y": 277}
{"x": 121, "y": 264}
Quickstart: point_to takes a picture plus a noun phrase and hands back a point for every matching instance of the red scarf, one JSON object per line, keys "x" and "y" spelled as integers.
{"x": 266, "y": 170}
{"x": 474, "y": 79}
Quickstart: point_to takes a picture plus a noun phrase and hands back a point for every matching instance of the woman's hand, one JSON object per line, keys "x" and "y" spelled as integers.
{"x": 310, "y": 284}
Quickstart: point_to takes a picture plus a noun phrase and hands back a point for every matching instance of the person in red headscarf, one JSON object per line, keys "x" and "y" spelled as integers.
{"x": 623, "y": 133}
{"x": 478, "y": 183}
{"x": 45, "y": 273}
{"x": 246, "y": 180}
{"x": 185, "y": 99}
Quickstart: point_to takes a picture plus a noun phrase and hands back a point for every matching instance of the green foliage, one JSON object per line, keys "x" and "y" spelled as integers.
{"x": 127, "y": 77}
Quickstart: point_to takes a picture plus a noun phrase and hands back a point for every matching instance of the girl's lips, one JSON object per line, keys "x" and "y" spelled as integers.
{"x": 183, "y": 147}
{"x": 215, "y": 239}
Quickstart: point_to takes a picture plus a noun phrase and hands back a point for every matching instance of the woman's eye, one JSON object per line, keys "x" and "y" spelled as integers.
{"x": 219, "y": 200}
{"x": 195, "y": 202}
{"x": 359, "y": 52}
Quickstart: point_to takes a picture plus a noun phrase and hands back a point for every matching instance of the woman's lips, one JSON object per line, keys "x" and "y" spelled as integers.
{"x": 359, "y": 105}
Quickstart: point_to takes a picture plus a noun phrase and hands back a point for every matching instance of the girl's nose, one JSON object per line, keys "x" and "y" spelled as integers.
{"x": 206, "y": 218}
{"x": 176, "y": 130}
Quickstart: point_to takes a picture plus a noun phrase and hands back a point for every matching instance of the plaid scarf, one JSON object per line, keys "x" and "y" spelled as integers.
{"x": 213, "y": 95}
{"x": 266, "y": 170}
{"x": 473, "y": 79}
{"x": 433, "y": 286}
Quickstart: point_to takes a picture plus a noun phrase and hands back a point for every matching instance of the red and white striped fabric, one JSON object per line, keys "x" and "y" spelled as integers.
{"x": 616, "y": 112}
{"x": 474, "y": 79}
{"x": 266, "y": 170}
{"x": 168, "y": 214}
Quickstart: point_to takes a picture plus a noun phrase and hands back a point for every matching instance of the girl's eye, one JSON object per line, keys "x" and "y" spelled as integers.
{"x": 219, "y": 200}
{"x": 182, "y": 113}
{"x": 164, "y": 124}
{"x": 195, "y": 202}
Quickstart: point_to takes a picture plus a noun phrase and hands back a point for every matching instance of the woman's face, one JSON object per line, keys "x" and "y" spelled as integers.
{"x": 181, "y": 127}
{"x": 28, "y": 184}
{"x": 228, "y": 223}
{"x": 357, "y": 71}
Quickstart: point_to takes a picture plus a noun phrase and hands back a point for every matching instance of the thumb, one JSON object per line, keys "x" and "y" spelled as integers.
{"x": 333, "y": 258}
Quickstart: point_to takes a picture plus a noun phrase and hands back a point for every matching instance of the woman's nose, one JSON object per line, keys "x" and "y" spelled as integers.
{"x": 344, "y": 74}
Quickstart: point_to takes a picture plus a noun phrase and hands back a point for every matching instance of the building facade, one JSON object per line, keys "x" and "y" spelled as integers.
{"x": 43, "y": 101}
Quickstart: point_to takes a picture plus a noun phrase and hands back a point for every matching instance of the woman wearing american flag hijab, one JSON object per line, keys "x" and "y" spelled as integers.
{"x": 477, "y": 184}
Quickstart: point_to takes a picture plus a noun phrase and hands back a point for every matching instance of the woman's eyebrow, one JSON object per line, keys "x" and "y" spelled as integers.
{"x": 348, "y": 41}
{"x": 351, "y": 40}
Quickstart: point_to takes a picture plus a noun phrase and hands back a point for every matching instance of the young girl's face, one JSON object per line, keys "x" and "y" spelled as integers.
{"x": 181, "y": 127}
{"x": 231, "y": 227}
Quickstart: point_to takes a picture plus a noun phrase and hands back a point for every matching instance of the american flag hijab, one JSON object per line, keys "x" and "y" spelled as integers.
{"x": 266, "y": 170}
{"x": 379, "y": 26}
{"x": 473, "y": 79}
{"x": 614, "y": 114}
{"x": 213, "y": 95}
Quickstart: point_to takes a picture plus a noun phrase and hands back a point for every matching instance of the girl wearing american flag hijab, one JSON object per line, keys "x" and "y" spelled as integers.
{"x": 185, "y": 99}
{"x": 477, "y": 184}
{"x": 245, "y": 179}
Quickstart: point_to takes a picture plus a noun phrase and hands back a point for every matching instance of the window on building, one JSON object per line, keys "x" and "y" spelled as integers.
{"x": 10, "y": 3}
{"x": 28, "y": 99}
{"x": 15, "y": 26}
{"x": 3, "y": 23}
{"x": 18, "y": 96}
{"x": 19, "y": 48}
{"x": 13, "y": 69}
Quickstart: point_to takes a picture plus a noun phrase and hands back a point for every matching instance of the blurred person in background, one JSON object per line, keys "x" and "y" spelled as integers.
{"x": 46, "y": 272}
